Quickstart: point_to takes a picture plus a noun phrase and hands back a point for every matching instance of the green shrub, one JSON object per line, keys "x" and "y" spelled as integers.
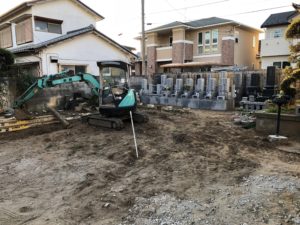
{"x": 24, "y": 81}
{"x": 6, "y": 60}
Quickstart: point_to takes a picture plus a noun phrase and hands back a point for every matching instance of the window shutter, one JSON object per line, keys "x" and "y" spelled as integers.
{"x": 6, "y": 38}
{"x": 24, "y": 31}
{"x": 28, "y": 30}
{"x": 20, "y": 33}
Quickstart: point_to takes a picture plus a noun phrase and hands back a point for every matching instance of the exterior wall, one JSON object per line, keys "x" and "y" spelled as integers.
{"x": 160, "y": 69}
{"x": 178, "y": 34}
{"x": 245, "y": 53}
{"x": 138, "y": 68}
{"x": 275, "y": 46}
{"x": 152, "y": 39}
{"x": 227, "y": 51}
{"x": 189, "y": 52}
{"x": 151, "y": 60}
{"x": 182, "y": 49}
{"x": 268, "y": 61}
{"x": 26, "y": 59}
{"x": 274, "y": 49}
{"x": 85, "y": 50}
{"x": 181, "y": 52}
{"x": 224, "y": 31}
{"x": 73, "y": 16}
{"x": 178, "y": 53}
{"x": 269, "y": 32}
{"x": 13, "y": 27}
{"x": 163, "y": 40}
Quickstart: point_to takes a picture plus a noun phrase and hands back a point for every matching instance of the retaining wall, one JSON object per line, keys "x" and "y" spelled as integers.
{"x": 289, "y": 125}
{"x": 220, "y": 105}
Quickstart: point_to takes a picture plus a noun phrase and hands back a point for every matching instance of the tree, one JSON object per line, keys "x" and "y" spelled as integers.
{"x": 6, "y": 60}
{"x": 292, "y": 75}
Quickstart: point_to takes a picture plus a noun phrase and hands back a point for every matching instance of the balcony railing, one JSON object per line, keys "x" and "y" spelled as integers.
{"x": 164, "y": 53}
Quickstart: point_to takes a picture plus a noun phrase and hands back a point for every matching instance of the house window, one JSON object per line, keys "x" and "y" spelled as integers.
{"x": 170, "y": 41}
{"x": 207, "y": 42}
{"x": 285, "y": 64}
{"x": 277, "y": 64}
{"x": 74, "y": 69}
{"x": 48, "y": 25}
{"x": 41, "y": 26}
{"x": 200, "y": 43}
{"x": 253, "y": 41}
{"x": 215, "y": 38}
{"x": 24, "y": 32}
{"x": 6, "y": 38}
{"x": 277, "y": 33}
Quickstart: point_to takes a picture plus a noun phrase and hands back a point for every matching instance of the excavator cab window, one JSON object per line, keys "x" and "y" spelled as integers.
{"x": 114, "y": 76}
{"x": 115, "y": 85}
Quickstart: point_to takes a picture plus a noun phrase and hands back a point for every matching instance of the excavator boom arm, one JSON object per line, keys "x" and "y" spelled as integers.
{"x": 55, "y": 80}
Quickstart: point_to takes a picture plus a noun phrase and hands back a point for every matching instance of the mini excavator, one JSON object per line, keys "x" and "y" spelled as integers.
{"x": 116, "y": 99}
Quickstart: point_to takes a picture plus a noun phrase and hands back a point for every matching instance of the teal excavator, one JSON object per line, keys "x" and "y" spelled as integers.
{"x": 115, "y": 101}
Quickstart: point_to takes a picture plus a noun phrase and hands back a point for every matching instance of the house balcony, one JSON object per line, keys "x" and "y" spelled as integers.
{"x": 275, "y": 47}
{"x": 164, "y": 54}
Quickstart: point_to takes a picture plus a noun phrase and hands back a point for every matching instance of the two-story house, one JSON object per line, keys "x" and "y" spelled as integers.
{"x": 48, "y": 36}
{"x": 199, "y": 44}
{"x": 275, "y": 48}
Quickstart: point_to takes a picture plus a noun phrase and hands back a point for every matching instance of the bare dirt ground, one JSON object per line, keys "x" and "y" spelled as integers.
{"x": 195, "y": 168}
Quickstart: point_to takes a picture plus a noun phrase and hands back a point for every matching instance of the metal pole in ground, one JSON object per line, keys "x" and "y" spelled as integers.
{"x": 133, "y": 131}
{"x": 278, "y": 119}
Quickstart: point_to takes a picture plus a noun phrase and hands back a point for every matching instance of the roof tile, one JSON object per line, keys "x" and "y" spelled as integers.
{"x": 278, "y": 19}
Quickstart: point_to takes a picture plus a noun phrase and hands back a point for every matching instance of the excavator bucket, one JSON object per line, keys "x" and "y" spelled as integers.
{"x": 22, "y": 115}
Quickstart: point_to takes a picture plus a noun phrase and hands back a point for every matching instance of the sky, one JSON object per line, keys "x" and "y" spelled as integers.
{"x": 122, "y": 20}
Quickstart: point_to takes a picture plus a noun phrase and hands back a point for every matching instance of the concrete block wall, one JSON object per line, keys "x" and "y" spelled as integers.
{"x": 4, "y": 94}
{"x": 55, "y": 96}
{"x": 289, "y": 125}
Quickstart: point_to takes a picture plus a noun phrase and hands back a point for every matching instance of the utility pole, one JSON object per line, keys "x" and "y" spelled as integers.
{"x": 144, "y": 71}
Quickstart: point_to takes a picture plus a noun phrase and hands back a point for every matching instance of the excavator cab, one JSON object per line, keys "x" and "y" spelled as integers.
{"x": 115, "y": 96}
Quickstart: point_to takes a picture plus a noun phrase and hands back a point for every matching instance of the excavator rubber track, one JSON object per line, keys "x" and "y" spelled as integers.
{"x": 101, "y": 121}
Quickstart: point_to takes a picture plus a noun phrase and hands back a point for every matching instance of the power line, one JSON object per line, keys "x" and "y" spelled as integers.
{"x": 259, "y": 10}
{"x": 189, "y": 7}
{"x": 253, "y": 11}
{"x": 178, "y": 11}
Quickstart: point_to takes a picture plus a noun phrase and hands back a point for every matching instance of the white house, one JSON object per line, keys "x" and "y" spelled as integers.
{"x": 49, "y": 36}
{"x": 275, "y": 48}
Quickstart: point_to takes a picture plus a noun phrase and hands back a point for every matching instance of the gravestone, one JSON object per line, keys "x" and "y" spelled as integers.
{"x": 163, "y": 79}
{"x": 223, "y": 88}
{"x": 271, "y": 76}
{"x": 211, "y": 87}
{"x": 145, "y": 86}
